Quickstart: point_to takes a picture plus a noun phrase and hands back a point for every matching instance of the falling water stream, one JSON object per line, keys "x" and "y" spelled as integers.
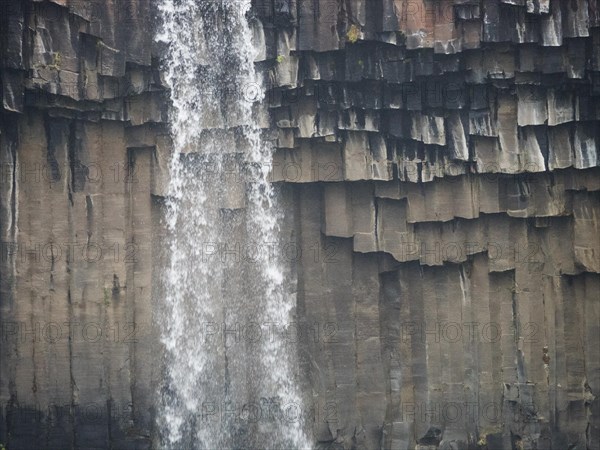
{"x": 230, "y": 379}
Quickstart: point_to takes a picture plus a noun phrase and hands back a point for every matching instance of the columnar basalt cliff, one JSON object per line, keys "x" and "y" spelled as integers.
{"x": 445, "y": 153}
{"x": 82, "y": 128}
{"x": 439, "y": 167}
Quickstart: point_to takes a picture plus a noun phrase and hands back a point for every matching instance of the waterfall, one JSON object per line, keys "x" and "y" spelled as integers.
{"x": 230, "y": 373}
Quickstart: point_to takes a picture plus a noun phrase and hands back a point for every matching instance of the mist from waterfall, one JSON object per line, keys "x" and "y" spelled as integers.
{"x": 224, "y": 387}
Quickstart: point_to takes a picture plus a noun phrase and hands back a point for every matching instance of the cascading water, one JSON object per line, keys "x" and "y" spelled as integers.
{"x": 230, "y": 380}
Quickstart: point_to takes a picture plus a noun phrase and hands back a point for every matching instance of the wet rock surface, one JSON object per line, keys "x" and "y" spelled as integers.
{"x": 445, "y": 158}
{"x": 439, "y": 162}
{"x": 82, "y": 131}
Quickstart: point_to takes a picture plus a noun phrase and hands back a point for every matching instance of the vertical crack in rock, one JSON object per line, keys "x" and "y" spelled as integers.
{"x": 73, "y": 385}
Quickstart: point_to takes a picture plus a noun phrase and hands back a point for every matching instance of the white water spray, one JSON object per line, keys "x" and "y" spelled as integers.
{"x": 222, "y": 388}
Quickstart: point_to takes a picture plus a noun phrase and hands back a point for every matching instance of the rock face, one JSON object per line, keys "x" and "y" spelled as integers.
{"x": 440, "y": 170}
{"x": 81, "y": 132}
{"x": 445, "y": 160}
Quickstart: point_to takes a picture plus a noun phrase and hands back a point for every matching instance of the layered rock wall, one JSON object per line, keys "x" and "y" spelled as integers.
{"x": 82, "y": 118}
{"x": 445, "y": 157}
